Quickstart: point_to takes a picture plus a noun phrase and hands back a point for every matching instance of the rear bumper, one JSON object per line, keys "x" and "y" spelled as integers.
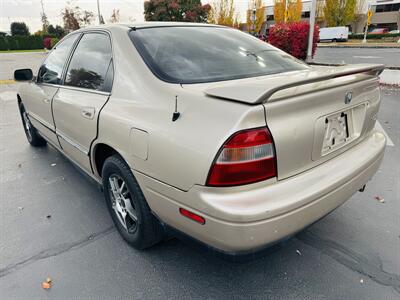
{"x": 243, "y": 219}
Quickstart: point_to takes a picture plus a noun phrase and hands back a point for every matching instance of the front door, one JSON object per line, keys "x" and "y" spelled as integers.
{"x": 86, "y": 89}
{"x": 43, "y": 90}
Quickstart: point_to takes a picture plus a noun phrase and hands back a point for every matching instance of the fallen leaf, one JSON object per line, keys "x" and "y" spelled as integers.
{"x": 298, "y": 252}
{"x": 380, "y": 199}
{"x": 46, "y": 285}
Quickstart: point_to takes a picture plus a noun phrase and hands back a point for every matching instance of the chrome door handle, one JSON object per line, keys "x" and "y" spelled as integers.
{"x": 88, "y": 112}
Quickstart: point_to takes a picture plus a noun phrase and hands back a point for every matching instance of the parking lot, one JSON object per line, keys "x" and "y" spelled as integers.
{"x": 387, "y": 56}
{"x": 54, "y": 223}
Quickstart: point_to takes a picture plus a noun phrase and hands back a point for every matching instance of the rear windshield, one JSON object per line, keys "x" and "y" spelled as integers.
{"x": 206, "y": 54}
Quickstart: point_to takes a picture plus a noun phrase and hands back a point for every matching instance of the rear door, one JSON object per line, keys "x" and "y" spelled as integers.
{"x": 38, "y": 102}
{"x": 86, "y": 89}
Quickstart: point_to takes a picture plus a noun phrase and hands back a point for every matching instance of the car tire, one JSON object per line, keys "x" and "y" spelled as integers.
{"x": 127, "y": 205}
{"x": 31, "y": 133}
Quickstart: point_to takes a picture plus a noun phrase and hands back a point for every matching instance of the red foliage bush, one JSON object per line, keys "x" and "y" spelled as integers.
{"x": 293, "y": 38}
{"x": 47, "y": 43}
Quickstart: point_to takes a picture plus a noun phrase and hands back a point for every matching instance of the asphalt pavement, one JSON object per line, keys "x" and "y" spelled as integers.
{"x": 9, "y": 62}
{"x": 54, "y": 223}
{"x": 390, "y": 57}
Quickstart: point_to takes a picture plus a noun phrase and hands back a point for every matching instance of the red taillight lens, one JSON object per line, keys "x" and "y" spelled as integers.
{"x": 247, "y": 157}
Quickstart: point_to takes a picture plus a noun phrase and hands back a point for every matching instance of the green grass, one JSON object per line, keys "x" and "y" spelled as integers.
{"x": 21, "y": 51}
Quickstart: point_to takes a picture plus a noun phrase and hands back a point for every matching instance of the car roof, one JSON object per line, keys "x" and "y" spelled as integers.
{"x": 146, "y": 25}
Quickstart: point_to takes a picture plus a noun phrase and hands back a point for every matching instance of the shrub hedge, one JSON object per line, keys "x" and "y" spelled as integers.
{"x": 360, "y": 36}
{"x": 293, "y": 38}
{"x": 21, "y": 42}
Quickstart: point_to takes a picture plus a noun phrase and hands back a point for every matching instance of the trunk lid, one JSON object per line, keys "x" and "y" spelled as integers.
{"x": 313, "y": 115}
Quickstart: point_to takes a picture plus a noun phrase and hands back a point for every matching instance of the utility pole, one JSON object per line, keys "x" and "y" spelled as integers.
{"x": 98, "y": 12}
{"x": 398, "y": 26}
{"x": 43, "y": 17}
{"x": 311, "y": 31}
{"x": 41, "y": 2}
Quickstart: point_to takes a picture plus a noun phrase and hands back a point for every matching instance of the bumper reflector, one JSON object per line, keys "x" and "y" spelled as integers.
{"x": 192, "y": 216}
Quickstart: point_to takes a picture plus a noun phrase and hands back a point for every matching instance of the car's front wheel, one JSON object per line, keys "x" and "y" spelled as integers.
{"x": 32, "y": 135}
{"x": 127, "y": 205}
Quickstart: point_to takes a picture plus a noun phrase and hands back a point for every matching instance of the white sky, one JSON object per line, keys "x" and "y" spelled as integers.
{"x": 28, "y": 11}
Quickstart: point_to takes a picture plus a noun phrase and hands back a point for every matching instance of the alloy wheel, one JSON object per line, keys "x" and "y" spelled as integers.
{"x": 27, "y": 125}
{"x": 122, "y": 203}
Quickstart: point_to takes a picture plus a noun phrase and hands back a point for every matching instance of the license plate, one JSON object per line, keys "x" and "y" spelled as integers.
{"x": 336, "y": 131}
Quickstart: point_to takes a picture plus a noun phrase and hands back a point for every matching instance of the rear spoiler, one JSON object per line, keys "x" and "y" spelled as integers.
{"x": 261, "y": 93}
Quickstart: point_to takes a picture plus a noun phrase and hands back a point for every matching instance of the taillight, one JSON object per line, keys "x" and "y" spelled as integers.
{"x": 247, "y": 157}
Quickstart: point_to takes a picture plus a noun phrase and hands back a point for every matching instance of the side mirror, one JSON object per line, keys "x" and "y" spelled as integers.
{"x": 23, "y": 75}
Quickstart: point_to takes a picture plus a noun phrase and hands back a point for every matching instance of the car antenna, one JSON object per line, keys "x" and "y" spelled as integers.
{"x": 176, "y": 114}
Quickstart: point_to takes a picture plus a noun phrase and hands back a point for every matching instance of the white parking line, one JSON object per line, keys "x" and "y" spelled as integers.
{"x": 359, "y": 56}
{"x": 379, "y": 127}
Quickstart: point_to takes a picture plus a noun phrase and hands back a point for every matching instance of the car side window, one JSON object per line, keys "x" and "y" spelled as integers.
{"x": 90, "y": 63}
{"x": 51, "y": 70}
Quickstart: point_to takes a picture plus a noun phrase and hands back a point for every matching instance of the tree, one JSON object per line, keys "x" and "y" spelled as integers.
{"x": 74, "y": 18}
{"x": 223, "y": 13}
{"x": 260, "y": 16}
{"x": 279, "y": 11}
{"x": 176, "y": 10}
{"x": 45, "y": 22}
{"x": 19, "y": 28}
{"x": 339, "y": 12}
{"x": 293, "y": 13}
{"x": 43, "y": 17}
{"x": 114, "y": 16}
{"x": 71, "y": 19}
{"x": 58, "y": 31}
{"x": 87, "y": 18}
{"x": 319, "y": 13}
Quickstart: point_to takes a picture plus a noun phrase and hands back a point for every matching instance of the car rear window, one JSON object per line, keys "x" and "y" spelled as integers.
{"x": 195, "y": 54}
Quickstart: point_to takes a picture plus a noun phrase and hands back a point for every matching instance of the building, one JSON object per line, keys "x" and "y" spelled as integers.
{"x": 386, "y": 14}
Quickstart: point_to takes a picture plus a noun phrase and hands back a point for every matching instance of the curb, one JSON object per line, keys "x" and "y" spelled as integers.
{"x": 361, "y": 46}
{"x": 315, "y": 63}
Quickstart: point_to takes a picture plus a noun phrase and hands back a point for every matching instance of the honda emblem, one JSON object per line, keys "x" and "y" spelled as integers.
{"x": 348, "y": 97}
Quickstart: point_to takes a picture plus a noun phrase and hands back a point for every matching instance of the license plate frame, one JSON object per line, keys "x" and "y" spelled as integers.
{"x": 355, "y": 125}
{"x": 336, "y": 131}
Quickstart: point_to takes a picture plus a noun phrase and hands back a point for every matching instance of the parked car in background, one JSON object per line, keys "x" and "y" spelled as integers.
{"x": 379, "y": 31}
{"x": 205, "y": 129}
{"x": 334, "y": 34}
